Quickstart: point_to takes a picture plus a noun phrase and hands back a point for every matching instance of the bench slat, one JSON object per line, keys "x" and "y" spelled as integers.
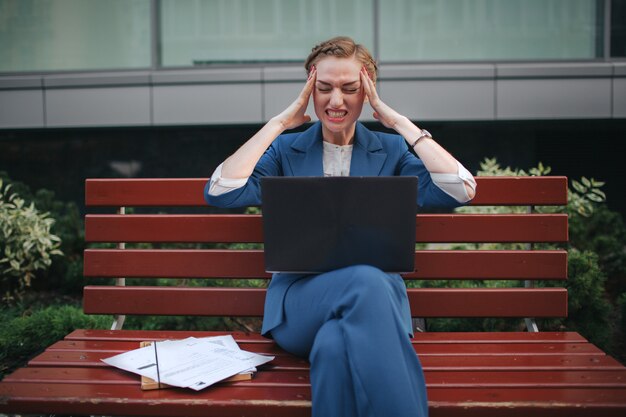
{"x": 159, "y": 335}
{"x": 279, "y": 379}
{"x": 98, "y": 399}
{"x": 442, "y": 349}
{"x": 430, "y": 264}
{"x": 488, "y": 302}
{"x": 78, "y": 358}
{"x": 240, "y": 337}
{"x": 425, "y": 302}
{"x": 224, "y": 400}
{"x": 189, "y": 191}
{"x": 577, "y": 362}
{"x": 430, "y": 228}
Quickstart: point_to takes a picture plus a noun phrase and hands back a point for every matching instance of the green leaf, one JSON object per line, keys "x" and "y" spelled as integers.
{"x": 599, "y": 192}
{"x": 594, "y": 197}
{"x": 579, "y": 187}
{"x": 586, "y": 182}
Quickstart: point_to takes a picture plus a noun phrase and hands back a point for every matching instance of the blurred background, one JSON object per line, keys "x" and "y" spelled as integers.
{"x": 168, "y": 88}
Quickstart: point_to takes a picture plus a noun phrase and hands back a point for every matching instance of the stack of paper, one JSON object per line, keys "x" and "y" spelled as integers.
{"x": 191, "y": 363}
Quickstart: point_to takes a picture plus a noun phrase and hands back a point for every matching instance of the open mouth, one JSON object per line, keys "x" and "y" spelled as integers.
{"x": 336, "y": 114}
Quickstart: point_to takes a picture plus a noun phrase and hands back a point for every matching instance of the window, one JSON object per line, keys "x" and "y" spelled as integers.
{"x": 62, "y": 35}
{"x": 197, "y": 32}
{"x": 38, "y": 35}
{"x": 618, "y": 28}
{"x": 470, "y": 30}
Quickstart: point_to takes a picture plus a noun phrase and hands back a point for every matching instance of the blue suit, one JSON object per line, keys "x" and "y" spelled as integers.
{"x": 353, "y": 324}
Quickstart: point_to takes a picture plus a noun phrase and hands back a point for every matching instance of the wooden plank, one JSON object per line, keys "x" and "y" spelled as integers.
{"x": 98, "y": 399}
{"x": 525, "y": 379}
{"x": 488, "y": 302}
{"x": 516, "y": 191}
{"x": 425, "y": 337}
{"x": 174, "y": 263}
{"x": 492, "y": 228}
{"x": 430, "y": 264}
{"x": 483, "y": 264}
{"x": 228, "y": 228}
{"x": 117, "y": 192}
{"x": 173, "y": 301}
{"x": 431, "y": 349}
{"x": 535, "y": 362}
{"x": 226, "y": 400}
{"x": 425, "y": 302}
{"x": 279, "y": 379}
{"x": 524, "y": 402}
{"x": 78, "y": 358}
{"x": 74, "y": 375}
{"x": 160, "y": 335}
{"x": 145, "y": 192}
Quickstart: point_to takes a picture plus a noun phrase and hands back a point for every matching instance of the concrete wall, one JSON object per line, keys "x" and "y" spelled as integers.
{"x": 456, "y": 92}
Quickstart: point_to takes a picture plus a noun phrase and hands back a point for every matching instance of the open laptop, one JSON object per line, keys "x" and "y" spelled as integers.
{"x": 319, "y": 224}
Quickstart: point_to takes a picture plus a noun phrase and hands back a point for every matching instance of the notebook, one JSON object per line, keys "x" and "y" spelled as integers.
{"x": 319, "y": 224}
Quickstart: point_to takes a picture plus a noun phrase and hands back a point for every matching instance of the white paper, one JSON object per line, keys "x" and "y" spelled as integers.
{"x": 193, "y": 363}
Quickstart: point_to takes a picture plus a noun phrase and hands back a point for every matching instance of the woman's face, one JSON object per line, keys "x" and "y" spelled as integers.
{"x": 338, "y": 95}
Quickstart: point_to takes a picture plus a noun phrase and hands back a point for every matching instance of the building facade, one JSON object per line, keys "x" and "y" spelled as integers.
{"x": 486, "y": 73}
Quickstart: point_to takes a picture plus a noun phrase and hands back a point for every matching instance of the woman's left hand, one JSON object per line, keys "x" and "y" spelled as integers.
{"x": 382, "y": 112}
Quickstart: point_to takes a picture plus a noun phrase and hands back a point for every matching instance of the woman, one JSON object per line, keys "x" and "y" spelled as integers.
{"x": 353, "y": 324}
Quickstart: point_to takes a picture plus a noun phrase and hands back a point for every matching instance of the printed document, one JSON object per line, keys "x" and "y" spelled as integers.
{"x": 194, "y": 363}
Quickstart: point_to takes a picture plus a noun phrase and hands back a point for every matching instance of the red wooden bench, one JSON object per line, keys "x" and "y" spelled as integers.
{"x": 473, "y": 374}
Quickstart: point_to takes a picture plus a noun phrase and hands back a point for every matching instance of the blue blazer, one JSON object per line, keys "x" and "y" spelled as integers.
{"x": 300, "y": 154}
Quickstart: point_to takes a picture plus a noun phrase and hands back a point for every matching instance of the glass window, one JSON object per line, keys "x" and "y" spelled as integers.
{"x": 618, "y": 28}
{"x": 431, "y": 30}
{"x": 40, "y": 35}
{"x": 197, "y": 32}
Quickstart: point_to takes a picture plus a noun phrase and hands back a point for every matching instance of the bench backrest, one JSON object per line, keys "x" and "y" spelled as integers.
{"x": 432, "y": 263}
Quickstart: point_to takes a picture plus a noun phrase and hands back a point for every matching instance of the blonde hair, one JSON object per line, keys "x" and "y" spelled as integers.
{"x": 342, "y": 47}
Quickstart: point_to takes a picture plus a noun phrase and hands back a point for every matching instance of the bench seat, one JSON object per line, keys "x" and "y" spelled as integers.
{"x": 546, "y": 373}
{"x": 467, "y": 373}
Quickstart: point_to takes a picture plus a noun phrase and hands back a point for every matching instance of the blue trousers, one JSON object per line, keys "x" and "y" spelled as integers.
{"x": 350, "y": 326}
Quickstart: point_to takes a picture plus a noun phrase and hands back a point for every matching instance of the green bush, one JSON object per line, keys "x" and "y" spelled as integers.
{"x": 620, "y": 329}
{"x": 26, "y": 242}
{"x": 604, "y": 233}
{"x": 596, "y": 263}
{"x": 190, "y": 323}
{"x": 589, "y": 311}
{"x": 23, "y": 336}
{"x": 621, "y": 302}
{"x": 65, "y": 272}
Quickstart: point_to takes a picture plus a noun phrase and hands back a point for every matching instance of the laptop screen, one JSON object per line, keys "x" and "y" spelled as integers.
{"x": 319, "y": 224}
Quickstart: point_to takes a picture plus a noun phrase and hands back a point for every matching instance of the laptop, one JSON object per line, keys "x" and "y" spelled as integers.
{"x": 319, "y": 224}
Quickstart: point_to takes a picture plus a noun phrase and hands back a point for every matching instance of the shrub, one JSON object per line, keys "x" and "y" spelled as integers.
{"x": 596, "y": 250}
{"x": 604, "y": 233}
{"x": 65, "y": 272}
{"x": 621, "y": 302}
{"x": 589, "y": 312}
{"x": 24, "y": 336}
{"x": 26, "y": 245}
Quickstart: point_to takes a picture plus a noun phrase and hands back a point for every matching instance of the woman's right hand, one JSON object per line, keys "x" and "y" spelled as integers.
{"x": 294, "y": 115}
{"x": 241, "y": 164}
